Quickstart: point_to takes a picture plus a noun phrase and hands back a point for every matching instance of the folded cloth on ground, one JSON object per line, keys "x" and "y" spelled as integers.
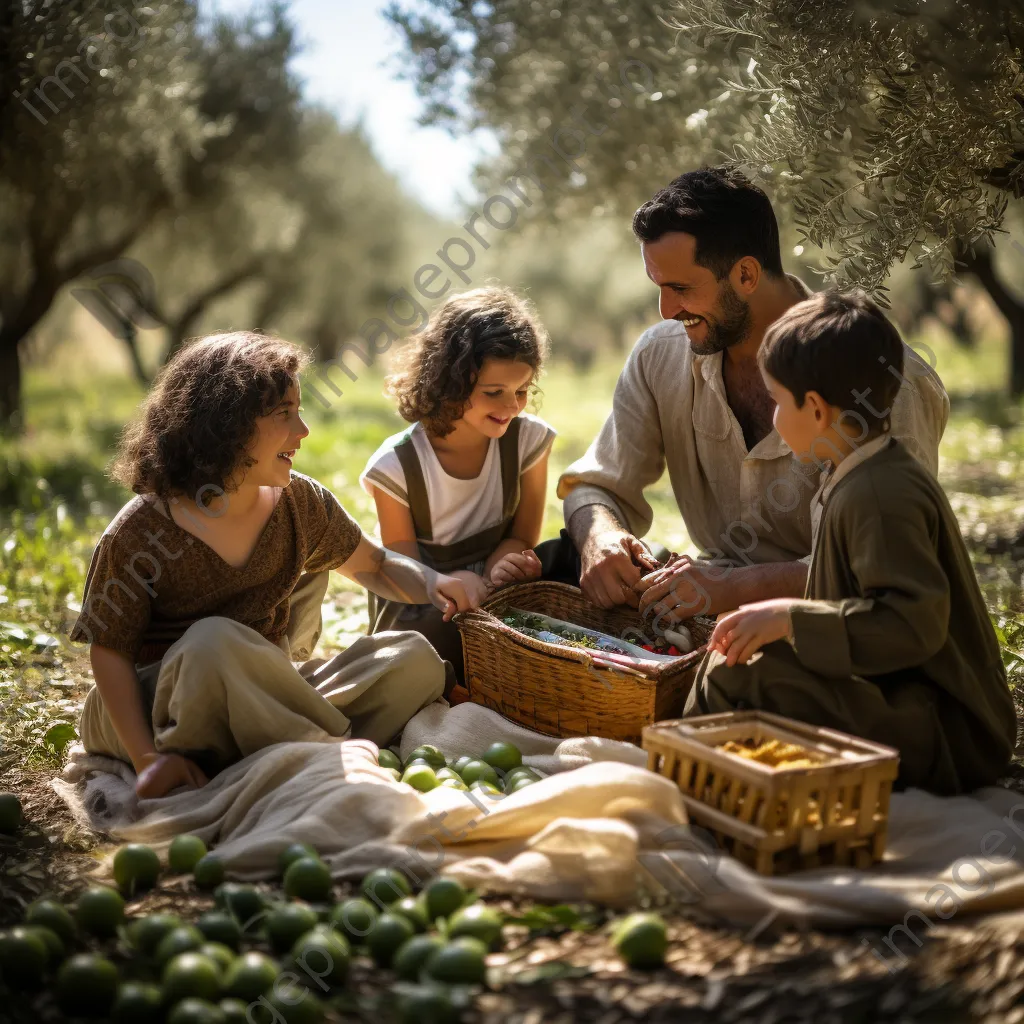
{"x": 602, "y": 832}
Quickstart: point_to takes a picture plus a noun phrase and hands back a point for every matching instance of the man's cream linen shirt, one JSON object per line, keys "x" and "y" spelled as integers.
{"x": 740, "y": 507}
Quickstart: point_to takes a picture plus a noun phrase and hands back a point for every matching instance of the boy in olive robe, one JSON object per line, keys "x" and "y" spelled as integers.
{"x": 892, "y": 640}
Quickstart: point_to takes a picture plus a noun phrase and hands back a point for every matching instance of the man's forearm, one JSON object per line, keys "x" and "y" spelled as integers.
{"x": 772, "y": 579}
{"x": 590, "y": 520}
{"x": 686, "y": 588}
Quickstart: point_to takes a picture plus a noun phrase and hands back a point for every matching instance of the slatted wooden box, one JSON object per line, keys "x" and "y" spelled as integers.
{"x": 558, "y": 690}
{"x": 779, "y": 819}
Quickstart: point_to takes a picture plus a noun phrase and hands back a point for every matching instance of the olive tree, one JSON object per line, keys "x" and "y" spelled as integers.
{"x": 887, "y": 132}
{"x": 113, "y": 118}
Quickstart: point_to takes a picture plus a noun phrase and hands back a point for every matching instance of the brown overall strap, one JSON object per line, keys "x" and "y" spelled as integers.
{"x": 466, "y": 550}
{"x": 416, "y": 488}
{"x": 508, "y": 448}
{"x": 477, "y": 548}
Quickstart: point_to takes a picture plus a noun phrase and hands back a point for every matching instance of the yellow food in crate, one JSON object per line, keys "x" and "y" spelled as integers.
{"x": 772, "y": 752}
{"x": 778, "y": 794}
{"x": 778, "y": 754}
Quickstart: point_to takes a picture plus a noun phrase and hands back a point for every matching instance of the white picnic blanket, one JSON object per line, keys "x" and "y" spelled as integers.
{"x": 600, "y": 828}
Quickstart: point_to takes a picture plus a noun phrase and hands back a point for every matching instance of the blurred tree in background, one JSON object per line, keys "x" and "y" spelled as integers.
{"x": 894, "y": 131}
{"x": 99, "y": 118}
{"x": 354, "y": 246}
{"x": 222, "y": 224}
{"x": 586, "y": 279}
{"x": 186, "y": 146}
{"x": 182, "y": 147}
{"x": 310, "y": 248}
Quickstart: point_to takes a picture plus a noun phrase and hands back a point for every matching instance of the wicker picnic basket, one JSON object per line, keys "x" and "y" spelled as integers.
{"x": 559, "y": 690}
{"x": 779, "y": 819}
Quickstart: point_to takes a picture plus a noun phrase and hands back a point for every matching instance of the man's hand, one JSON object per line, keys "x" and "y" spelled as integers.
{"x": 612, "y": 563}
{"x": 161, "y": 773}
{"x": 742, "y": 633}
{"x": 685, "y": 587}
{"x": 515, "y": 567}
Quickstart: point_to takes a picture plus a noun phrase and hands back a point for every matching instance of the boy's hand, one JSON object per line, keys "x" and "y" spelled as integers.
{"x": 516, "y": 567}
{"x": 742, "y": 633}
{"x": 160, "y": 773}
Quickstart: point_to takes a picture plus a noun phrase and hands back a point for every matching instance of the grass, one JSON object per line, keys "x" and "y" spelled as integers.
{"x": 55, "y": 500}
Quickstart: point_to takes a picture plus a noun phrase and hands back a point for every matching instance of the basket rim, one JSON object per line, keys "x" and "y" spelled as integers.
{"x": 484, "y": 616}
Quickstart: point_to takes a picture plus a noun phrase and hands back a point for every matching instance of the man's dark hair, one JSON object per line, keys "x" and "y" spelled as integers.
{"x": 728, "y": 215}
{"x": 841, "y": 345}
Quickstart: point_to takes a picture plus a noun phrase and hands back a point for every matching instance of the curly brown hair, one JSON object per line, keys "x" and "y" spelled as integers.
{"x": 440, "y": 368}
{"x": 199, "y": 417}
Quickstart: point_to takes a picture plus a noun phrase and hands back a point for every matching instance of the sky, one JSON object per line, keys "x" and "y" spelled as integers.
{"x": 350, "y": 64}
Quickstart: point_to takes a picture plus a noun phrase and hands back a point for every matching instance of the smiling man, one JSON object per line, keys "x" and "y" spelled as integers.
{"x": 691, "y": 399}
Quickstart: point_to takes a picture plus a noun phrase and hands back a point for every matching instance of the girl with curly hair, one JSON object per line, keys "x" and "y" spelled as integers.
{"x": 206, "y": 586}
{"x": 463, "y": 489}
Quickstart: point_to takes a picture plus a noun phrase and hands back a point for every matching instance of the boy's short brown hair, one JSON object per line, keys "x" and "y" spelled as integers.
{"x": 841, "y": 345}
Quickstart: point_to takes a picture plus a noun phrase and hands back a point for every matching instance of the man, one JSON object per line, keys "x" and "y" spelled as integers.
{"x": 691, "y": 399}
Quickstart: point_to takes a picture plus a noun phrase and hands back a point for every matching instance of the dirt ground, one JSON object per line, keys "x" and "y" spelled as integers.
{"x": 960, "y": 973}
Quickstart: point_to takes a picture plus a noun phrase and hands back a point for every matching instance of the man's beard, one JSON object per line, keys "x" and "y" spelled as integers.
{"x": 729, "y": 327}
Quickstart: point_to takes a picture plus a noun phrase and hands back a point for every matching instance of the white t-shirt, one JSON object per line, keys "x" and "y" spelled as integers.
{"x": 458, "y": 508}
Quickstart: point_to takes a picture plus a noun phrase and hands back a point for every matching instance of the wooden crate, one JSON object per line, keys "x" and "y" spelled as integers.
{"x": 557, "y": 690}
{"x": 779, "y": 819}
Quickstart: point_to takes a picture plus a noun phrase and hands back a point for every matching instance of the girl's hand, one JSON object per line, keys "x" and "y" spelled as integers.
{"x": 478, "y": 588}
{"x": 457, "y": 594}
{"x": 742, "y": 633}
{"x": 160, "y": 773}
{"x": 516, "y": 567}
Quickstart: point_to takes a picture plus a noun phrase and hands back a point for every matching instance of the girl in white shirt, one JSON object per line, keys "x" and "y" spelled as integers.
{"x": 463, "y": 489}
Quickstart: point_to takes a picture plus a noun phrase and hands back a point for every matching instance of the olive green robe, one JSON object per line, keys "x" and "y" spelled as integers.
{"x": 893, "y": 641}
